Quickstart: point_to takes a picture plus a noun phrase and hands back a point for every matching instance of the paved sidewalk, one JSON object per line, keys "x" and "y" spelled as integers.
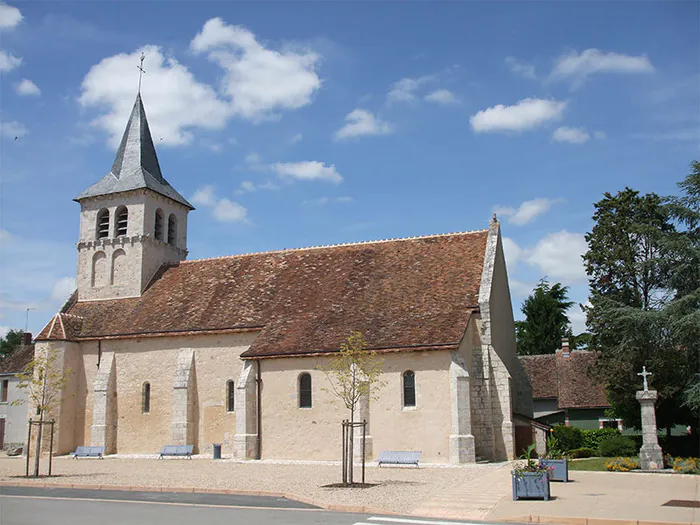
{"x": 609, "y": 495}
{"x": 473, "y": 500}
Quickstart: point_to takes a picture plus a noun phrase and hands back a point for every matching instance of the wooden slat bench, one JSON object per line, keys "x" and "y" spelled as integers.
{"x": 399, "y": 457}
{"x": 88, "y": 452}
{"x": 177, "y": 451}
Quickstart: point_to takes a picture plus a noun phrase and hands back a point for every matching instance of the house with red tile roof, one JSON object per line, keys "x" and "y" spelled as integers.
{"x": 566, "y": 391}
{"x": 231, "y": 350}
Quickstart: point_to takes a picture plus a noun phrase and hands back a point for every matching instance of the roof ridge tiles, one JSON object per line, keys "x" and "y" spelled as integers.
{"x": 339, "y": 245}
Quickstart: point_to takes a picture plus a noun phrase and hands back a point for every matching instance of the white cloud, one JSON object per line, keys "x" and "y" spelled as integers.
{"x": 8, "y": 61}
{"x": 253, "y": 158}
{"x": 63, "y": 288}
{"x": 600, "y": 135}
{"x": 526, "y": 114}
{"x": 296, "y": 138}
{"x": 13, "y": 130}
{"x": 27, "y": 88}
{"x": 9, "y": 16}
{"x": 307, "y": 170}
{"x": 520, "y": 288}
{"x": 259, "y": 80}
{"x": 4, "y": 330}
{"x": 558, "y": 255}
{"x": 229, "y": 211}
{"x": 442, "y": 96}
{"x": 223, "y": 210}
{"x": 175, "y": 102}
{"x": 527, "y": 211}
{"x": 249, "y": 187}
{"x": 520, "y": 68}
{"x": 246, "y": 185}
{"x": 577, "y": 67}
{"x": 362, "y": 122}
{"x": 571, "y": 135}
{"x": 512, "y": 252}
{"x": 405, "y": 90}
{"x": 577, "y": 317}
{"x": 322, "y": 201}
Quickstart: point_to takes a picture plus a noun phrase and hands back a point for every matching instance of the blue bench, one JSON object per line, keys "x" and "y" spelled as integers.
{"x": 88, "y": 452}
{"x": 177, "y": 451}
{"x": 399, "y": 457}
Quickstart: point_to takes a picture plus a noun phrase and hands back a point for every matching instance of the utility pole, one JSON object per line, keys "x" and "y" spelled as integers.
{"x": 26, "y": 322}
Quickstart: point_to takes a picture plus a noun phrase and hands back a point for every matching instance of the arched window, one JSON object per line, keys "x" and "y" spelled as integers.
{"x": 230, "y": 396}
{"x": 99, "y": 270}
{"x": 409, "y": 388}
{"x": 305, "y": 390}
{"x": 158, "y": 226}
{"x": 120, "y": 272}
{"x": 172, "y": 229}
{"x": 122, "y": 216}
{"x": 146, "y": 398}
{"x": 102, "y": 223}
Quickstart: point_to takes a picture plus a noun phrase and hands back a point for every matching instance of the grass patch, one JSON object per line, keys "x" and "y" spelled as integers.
{"x": 596, "y": 464}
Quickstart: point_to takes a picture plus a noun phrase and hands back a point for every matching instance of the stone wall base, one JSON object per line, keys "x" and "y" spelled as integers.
{"x": 357, "y": 447}
{"x": 245, "y": 446}
{"x": 651, "y": 457}
{"x": 462, "y": 449}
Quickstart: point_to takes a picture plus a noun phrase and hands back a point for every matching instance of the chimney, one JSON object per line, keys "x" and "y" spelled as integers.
{"x": 565, "y": 347}
{"x": 26, "y": 338}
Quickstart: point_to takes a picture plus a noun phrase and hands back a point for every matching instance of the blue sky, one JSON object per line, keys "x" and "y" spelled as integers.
{"x": 302, "y": 123}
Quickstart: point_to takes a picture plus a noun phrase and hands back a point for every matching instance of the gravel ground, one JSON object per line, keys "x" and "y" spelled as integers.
{"x": 397, "y": 490}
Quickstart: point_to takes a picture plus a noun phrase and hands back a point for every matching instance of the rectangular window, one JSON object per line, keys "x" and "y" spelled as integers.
{"x": 230, "y": 396}
{"x": 5, "y": 390}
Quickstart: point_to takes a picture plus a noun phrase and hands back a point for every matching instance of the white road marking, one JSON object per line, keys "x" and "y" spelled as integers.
{"x": 413, "y": 522}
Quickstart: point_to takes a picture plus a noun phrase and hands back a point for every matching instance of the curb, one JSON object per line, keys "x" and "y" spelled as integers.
{"x": 335, "y": 507}
{"x": 564, "y": 520}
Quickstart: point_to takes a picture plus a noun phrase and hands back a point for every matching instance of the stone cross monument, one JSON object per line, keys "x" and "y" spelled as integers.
{"x": 650, "y": 455}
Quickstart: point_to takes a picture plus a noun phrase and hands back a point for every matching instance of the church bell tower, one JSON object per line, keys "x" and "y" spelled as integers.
{"x": 131, "y": 222}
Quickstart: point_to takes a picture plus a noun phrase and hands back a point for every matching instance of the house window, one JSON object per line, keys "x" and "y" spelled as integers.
{"x": 103, "y": 223}
{"x": 230, "y": 396}
{"x": 146, "y": 398}
{"x": 122, "y": 221}
{"x": 305, "y": 390}
{"x": 605, "y": 422}
{"x": 172, "y": 229}
{"x": 158, "y": 226}
{"x": 5, "y": 390}
{"x": 409, "y": 389}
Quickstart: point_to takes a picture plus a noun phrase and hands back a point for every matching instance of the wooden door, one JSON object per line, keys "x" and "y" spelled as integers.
{"x": 2, "y": 433}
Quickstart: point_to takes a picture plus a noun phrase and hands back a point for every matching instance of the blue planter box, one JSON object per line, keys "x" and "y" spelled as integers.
{"x": 531, "y": 485}
{"x": 558, "y": 469}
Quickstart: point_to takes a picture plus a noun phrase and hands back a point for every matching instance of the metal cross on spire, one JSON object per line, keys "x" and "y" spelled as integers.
{"x": 645, "y": 374}
{"x": 141, "y": 70}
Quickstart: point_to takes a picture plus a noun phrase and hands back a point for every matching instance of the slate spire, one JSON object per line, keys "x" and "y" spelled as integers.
{"x": 136, "y": 163}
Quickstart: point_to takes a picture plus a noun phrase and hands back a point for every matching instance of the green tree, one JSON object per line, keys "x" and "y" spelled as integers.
{"x": 643, "y": 271}
{"x": 354, "y": 373}
{"x": 11, "y": 341}
{"x": 545, "y": 321}
{"x": 43, "y": 380}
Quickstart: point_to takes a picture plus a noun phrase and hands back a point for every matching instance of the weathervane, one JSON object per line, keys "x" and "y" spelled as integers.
{"x": 141, "y": 70}
{"x": 645, "y": 374}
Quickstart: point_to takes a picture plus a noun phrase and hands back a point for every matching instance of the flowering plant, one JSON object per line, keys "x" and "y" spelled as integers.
{"x": 530, "y": 465}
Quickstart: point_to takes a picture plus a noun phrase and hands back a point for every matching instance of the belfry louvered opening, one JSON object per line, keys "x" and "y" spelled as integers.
{"x": 122, "y": 221}
{"x": 158, "y": 227}
{"x": 103, "y": 223}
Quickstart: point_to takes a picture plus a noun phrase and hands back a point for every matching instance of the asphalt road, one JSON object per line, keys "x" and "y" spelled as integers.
{"x": 36, "y": 506}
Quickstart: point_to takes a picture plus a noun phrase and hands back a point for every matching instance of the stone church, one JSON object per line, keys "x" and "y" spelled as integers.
{"x": 166, "y": 351}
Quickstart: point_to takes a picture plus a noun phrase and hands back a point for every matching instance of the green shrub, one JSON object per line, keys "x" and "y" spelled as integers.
{"x": 592, "y": 438}
{"x": 622, "y": 464}
{"x": 616, "y": 446}
{"x": 568, "y": 438}
{"x": 583, "y": 452}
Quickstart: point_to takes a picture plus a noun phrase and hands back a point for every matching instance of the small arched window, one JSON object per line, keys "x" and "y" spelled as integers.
{"x": 409, "y": 388}
{"x": 122, "y": 216}
{"x": 158, "y": 225}
{"x": 103, "y": 223}
{"x": 172, "y": 229}
{"x": 305, "y": 390}
{"x": 146, "y": 398}
{"x": 230, "y": 396}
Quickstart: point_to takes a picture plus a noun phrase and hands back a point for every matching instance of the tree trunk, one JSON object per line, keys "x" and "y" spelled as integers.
{"x": 38, "y": 446}
{"x": 352, "y": 446}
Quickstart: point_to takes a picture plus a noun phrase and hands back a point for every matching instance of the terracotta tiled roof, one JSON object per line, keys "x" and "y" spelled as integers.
{"x": 542, "y": 372}
{"x": 17, "y": 360}
{"x": 577, "y": 387}
{"x": 567, "y": 379}
{"x": 403, "y": 293}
